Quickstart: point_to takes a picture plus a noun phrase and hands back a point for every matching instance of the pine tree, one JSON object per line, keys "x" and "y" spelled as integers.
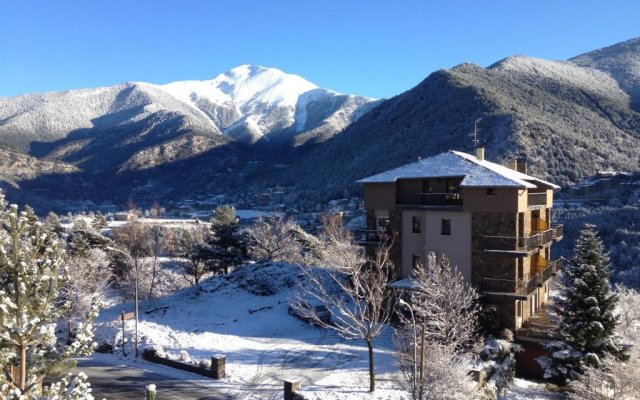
{"x": 52, "y": 223}
{"x": 225, "y": 247}
{"x": 79, "y": 244}
{"x": 586, "y": 308}
{"x": 31, "y": 276}
{"x": 99, "y": 223}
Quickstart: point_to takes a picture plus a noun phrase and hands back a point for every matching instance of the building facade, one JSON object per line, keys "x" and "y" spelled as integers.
{"x": 493, "y": 222}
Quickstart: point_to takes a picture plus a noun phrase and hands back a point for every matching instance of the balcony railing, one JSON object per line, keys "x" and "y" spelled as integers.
{"x": 558, "y": 231}
{"x": 441, "y": 199}
{"x": 520, "y": 287}
{"x": 368, "y": 236}
{"x": 518, "y": 244}
{"x": 537, "y": 199}
{"x": 524, "y": 286}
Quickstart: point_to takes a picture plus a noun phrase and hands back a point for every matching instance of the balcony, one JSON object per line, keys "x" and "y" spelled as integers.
{"x": 537, "y": 199}
{"x": 558, "y": 231}
{"x": 431, "y": 200}
{"x": 368, "y": 237}
{"x": 517, "y": 288}
{"x": 523, "y": 245}
{"x": 441, "y": 199}
{"x": 521, "y": 288}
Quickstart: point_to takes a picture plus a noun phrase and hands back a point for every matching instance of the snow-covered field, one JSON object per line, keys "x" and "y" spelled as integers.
{"x": 262, "y": 343}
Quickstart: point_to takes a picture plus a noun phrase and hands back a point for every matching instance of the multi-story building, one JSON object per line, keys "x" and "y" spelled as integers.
{"x": 493, "y": 222}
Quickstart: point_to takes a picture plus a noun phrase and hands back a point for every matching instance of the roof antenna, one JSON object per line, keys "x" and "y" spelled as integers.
{"x": 475, "y": 134}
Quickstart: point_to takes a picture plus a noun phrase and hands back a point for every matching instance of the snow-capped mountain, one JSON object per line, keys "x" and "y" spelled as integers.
{"x": 247, "y": 103}
{"x": 252, "y": 103}
{"x": 127, "y": 135}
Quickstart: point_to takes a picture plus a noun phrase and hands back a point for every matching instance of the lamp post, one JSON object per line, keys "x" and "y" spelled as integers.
{"x": 415, "y": 339}
{"x": 135, "y": 291}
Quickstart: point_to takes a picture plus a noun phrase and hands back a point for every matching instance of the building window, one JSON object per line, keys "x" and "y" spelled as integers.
{"x": 416, "y": 262}
{"x": 445, "y": 227}
{"x": 491, "y": 191}
{"x": 416, "y": 223}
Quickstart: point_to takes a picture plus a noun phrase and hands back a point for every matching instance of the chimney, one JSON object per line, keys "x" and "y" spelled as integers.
{"x": 521, "y": 165}
{"x": 480, "y": 153}
{"x": 512, "y": 163}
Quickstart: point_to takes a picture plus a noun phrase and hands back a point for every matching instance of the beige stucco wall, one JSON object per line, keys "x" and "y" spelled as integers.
{"x": 457, "y": 246}
{"x": 379, "y": 196}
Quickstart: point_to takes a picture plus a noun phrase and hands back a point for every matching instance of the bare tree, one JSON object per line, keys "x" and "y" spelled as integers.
{"x": 87, "y": 280}
{"x": 611, "y": 380}
{"x": 437, "y": 336}
{"x": 445, "y": 373}
{"x": 628, "y": 310}
{"x": 271, "y": 238}
{"x": 156, "y": 241}
{"x": 353, "y": 287}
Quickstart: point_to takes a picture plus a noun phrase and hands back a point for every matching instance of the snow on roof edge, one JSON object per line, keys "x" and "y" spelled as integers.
{"x": 490, "y": 174}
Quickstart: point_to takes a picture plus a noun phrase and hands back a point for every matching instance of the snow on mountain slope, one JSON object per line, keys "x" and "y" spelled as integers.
{"x": 565, "y": 72}
{"x": 244, "y": 86}
{"x": 55, "y": 115}
{"x": 250, "y": 103}
{"x": 621, "y": 61}
{"x": 247, "y": 103}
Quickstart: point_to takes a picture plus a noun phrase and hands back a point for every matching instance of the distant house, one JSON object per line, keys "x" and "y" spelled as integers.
{"x": 492, "y": 221}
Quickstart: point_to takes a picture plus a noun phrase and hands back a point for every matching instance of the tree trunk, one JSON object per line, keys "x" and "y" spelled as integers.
{"x": 23, "y": 366}
{"x": 372, "y": 374}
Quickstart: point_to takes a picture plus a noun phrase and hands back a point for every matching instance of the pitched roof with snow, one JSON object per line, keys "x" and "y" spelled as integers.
{"x": 475, "y": 173}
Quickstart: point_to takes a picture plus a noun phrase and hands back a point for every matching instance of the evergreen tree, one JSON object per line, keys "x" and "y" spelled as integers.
{"x": 79, "y": 243}
{"x": 586, "y": 308}
{"x": 99, "y": 223}
{"x": 52, "y": 224}
{"x": 226, "y": 248}
{"x": 31, "y": 276}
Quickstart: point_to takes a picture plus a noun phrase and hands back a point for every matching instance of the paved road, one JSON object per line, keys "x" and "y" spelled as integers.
{"x": 126, "y": 382}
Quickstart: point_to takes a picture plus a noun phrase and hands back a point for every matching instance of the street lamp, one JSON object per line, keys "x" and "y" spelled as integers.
{"x": 135, "y": 290}
{"x": 415, "y": 340}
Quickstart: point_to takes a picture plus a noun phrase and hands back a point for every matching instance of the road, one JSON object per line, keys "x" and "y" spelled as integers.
{"x": 126, "y": 382}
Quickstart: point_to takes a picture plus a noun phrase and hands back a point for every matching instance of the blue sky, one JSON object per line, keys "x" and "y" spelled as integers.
{"x": 373, "y": 48}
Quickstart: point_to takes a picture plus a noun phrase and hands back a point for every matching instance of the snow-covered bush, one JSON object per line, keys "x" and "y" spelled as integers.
{"x": 184, "y": 356}
{"x": 157, "y": 349}
{"x": 497, "y": 361}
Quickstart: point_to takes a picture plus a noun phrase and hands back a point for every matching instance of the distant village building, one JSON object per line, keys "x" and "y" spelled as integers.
{"x": 493, "y": 222}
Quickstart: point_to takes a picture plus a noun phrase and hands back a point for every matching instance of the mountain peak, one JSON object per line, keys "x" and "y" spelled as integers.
{"x": 244, "y": 85}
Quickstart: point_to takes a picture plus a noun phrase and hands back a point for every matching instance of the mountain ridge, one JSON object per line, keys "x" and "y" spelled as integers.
{"x": 568, "y": 118}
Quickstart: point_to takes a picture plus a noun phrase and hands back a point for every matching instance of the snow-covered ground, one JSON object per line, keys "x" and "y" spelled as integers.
{"x": 527, "y": 390}
{"x": 262, "y": 343}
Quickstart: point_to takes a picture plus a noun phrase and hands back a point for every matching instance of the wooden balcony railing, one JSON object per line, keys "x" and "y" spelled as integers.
{"x": 537, "y": 199}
